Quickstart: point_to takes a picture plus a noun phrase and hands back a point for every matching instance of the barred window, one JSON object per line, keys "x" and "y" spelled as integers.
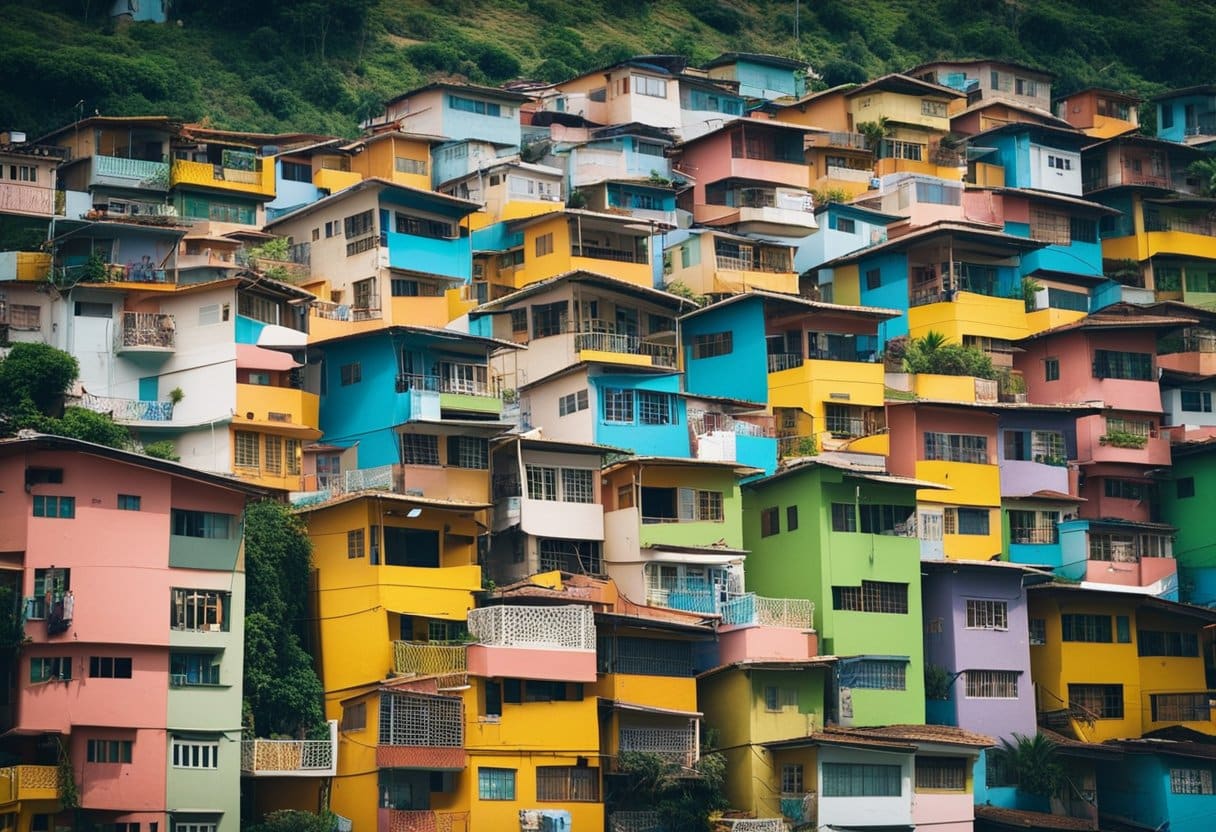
{"x": 468, "y": 452}
{"x": 992, "y": 684}
{"x": 1134, "y": 366}
{"x": 572, "y": 403}
{"x": 861, "y": 780}
{"x": 274, "y": 455}
{"x": 875, "y": 674}
{"x": 987, "y": 615}
{"x": 519, "y": 320}
{"x": 1090, "y": 628}
{"x": 1181, "y": 707}
{"x": 944, "y": 773}
{"x": 569, "y": 783}
{"x": 1103, "y": 701}
{"x": 578, "y": 485}
{"x": 655, "y": 408}
{"x": 196, "y": 754}
{"x": 791, "y": 778}
{"x": 542, "y": 482}
{"x": 936, "y": 109}
{"x": 419, "y": 449}
{"x": 1159, "y": 643}
{"x": 1191, "y": 781}
{"x": 291, "y": 450}
{"x": 956, "y": 447}
{"x": 844, "y": 517}
{"x": 246, "y": 449}
{"x": 355, "y": 544}
{"x": 709, "y": 506}
{"x": 495, "y": 783}
{"x": 618, "y": 405}
{"x": 1050, "y": 227}
{"x": 108, "y": 751}
{"x": 712, "y": 344}
{"x": 872, "y": 596}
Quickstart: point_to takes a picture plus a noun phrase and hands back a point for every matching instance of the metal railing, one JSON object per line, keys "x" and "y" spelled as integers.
{"x": 265, "y": 756}
{"x": 142, "y": 170}
{"x": 675, "y": 745}
{"x": 147, "y": 329}
{"x": 783, "y": 361}
{"x": 749, "y": 608}
{"x": 1157, "y": 222}
{"x": 1034, "y": 534}
{"x": 128, "y": 410}
{"x": 634, "y": 822}
{"x": 835, "y": 138}
{"x": 730, "y": 262}
{"x": 662, "y": 354}
{"x": 411, "y": 820}
{"x": 421, "y": 658}
{"x": 570, "y": 627}
{"x": 444, "y": 384}
{"x": 620, "y": 255}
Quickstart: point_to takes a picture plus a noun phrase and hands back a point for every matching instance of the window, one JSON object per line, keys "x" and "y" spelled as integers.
{"x": 770, "y": 522}
{"x": 1124, "y": 489}
{"x": 1190, "y": 780}
{"x": 624, "y": 497}
{"x": 274, "y": 455}
{"x": 987, "y": 615}
{"x": 207, "y": 524}
{"x": 1102, "y": 701}
{"x": 578, "y": 485}
{"x": 1051, "y": 369}
{"x": 791, "y": 518}
{"x": 519, "y": 320}
{"x": 1091, "y": 628}
{"x": 846, "y": 226}
{"x": 654, "y": 87}
{"x": 1196, "y": 401}
{"x": 468, "y": 452}
{"x": 1133, "y": 366}
{"x": 1050, "y": 227}
{"x": 709, "y": 505}
{"x": 569, "y": 783}
{"x": 1059, "y": 162}
{"x": 544, "y": 244}
{"x": 1185, "y": 487}
{"x": 246, "y": 450}
{"x": 572, "y": 403}
{"x": 574, "y": 556}
{"x": 873, "y": 278}
{"x": 655, "y": 408}
{"x": 63, "y": 508}
{"x": 350, "y": 373}
{"x": 186, "y": 669}
{"x": 549, "y": 319}
{"x": 542, "y": 482}
{"x": 54, "y": 583}
{"x": 791, "y": 778}
{"x": 44, "y": 669}
{"x": 108, "y": 751}
{"x": 713, "y": 344}
{"x": 966, "y": 521}
{"x": 109, "y": 667}
{"x": 403, "y": 165}
{"x": 354, "y": 717}
{"x": 1038, "y": 632}
{"x": 357, "y": 225}
{"x": 943, "y": 773}
{"x": 199, "y": 609}
{"x": 470, "y": 105}
{"x": 419, "y": 449}
{"x": 1164, "y": 643}
{"x": 884, "y": 519}
{"x": 956, "y": 447}
{"x": 992, "y": 684}
{"x": 861, "y": 780}
{"x": 194, "y": 754}
{"x": 495, "y": 783}
{"x": 1045, "y": 446}
{"x": 844, "y": 517}
{"x": 292, "y": 450}
{"x": 618, "y": 405}
{"x": 872, "y": 596}
{"x": 1081, "y": 230}
{"x": 355, "y": 547}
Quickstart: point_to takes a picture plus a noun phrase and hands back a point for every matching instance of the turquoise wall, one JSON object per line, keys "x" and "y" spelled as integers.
{"x": 741, "y": 373}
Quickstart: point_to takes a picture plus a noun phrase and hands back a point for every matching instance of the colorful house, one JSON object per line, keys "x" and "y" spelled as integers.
{"x": 915, "y": 115}
{"x": 455, "y": 111}
{"x": 142, "y": 713}
{"x": 1101, "y": 113}
{"x": 642, "y": 90}
{"x": 986, "y": 80}
{"x": 760, "y": 76}
{"x": 717, "y": 263}
{"x": 1186, "y": 511}
{"x": 1033, "y": 156}
{"x": 1158, "y": 781}
{"x": 1111, "y": 664}
{"x": 1188, "y": 115}
{"x": 835, "y": 542}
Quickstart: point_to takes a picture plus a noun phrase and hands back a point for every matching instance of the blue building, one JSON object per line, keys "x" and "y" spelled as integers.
{"x": 1033, "y": 155}
{"x": 1187, "y": 115}
{"x": 760, "y": 76}
{"x": 1163, "y": 781}
{"x": 456, "y": 111}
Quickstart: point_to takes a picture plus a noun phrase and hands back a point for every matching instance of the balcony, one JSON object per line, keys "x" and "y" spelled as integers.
{"x": 771, "y": 211}
{"x": 420, "y": 731}
{"x": 1034, "y": 535}
{"x": 1204, "y": 125}
{"x": 749, "y": 608}
{"x": 142, "y": 174}
{"x": 444, "y": 256}
{"x": 675, "y": 745}
{"x": 20, "y": 783}
{"x": 291, "y": 758}
{"x": 545, "y": 643}
{"x": 420, "y": 820}
{"x": 457, "y": 390}
{"x": 616, "y": 255}
{"x": 853, "y": 141}
{"x": 755, "y": 627}
{"x": 146, "y": 333}
{"x": 331, "y": 180}
{"x": 288, "y": 406}
{"x": 128, "y": 410}
{"x": 18, "y": 198}
{"x": 449, "y": 662}
{"x": 648, "y": 353}
{"x": 259, "y": 181}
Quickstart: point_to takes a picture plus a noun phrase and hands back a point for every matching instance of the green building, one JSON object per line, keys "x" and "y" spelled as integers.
{"x": 1186, "y": 504}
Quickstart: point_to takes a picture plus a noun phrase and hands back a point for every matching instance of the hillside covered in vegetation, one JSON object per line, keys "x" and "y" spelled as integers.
{"x": 322, "y": 65}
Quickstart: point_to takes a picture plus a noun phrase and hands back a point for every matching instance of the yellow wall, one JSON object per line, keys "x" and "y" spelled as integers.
{"x": 185, "y": 172}
{"x": 970, "y": 483}
{"x": 1042, "y": 319}
{"x": 812, "y": 384}
{"x": 989, "y": 176}
{"x": 378, "y": 159}
{"x": 671, "y": 692}
{"x": 353, "y": 794}
{"x": 970, "y": 314}
{"x": 897, "y": 107}
{"x": 262, "y": 399}
{"x": 335, "y": 180}
{"x": 846, "y": 286}
{"x": 33, "y": 265}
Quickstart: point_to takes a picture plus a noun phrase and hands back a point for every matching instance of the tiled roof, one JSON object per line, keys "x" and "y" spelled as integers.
{"x": 1022, "y": 819}
{"x": 927, "y": 733}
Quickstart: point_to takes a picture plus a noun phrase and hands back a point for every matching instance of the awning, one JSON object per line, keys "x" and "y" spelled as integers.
{"x": 250, "y": 357}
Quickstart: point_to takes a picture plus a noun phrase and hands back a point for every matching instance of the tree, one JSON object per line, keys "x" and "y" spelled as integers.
{"x": 683, "y": 803}
{"x": 1205, "y": 169}
{"x": 931, "y": 354}
{"x": 294, "y": 820}
{"x": 282, "y": 692}
{"x": 86, "y": 425}
{"x": 1035, "y": 762}
{"x": 33, "y": 381}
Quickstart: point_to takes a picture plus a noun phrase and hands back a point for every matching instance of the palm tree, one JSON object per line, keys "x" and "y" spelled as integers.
{"x": 1035, "y": 762}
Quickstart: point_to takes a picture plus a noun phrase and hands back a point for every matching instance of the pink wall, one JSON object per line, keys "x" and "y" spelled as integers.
{"x": 1148, "y": 571}
{"x": 1091, "y": 429}
{"x": 528, "y": 663}
{"x": 1098, "y": 505}
{"x": 908, "y": 424}
{"x": 54, "y": 707}
{"x": 1075, "y": 351}
{"x": 901, "y": 425}
{"x": 736, "y": 644}
{"x": 138, "y": 785}
{"x": 952, "y": 812}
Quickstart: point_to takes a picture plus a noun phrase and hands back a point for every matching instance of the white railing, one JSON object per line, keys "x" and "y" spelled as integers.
{"x": 797, "y": 613}
{"x": 783, "y": 361}
{"x": 316, "y": 757}
{"x": 379, "y": 478}
{"x": 704, "y": 421}
{"x": 675, "y": 745}
{"x": 985, "y": 390}
{"x": 570, "y": 627}
{"x": 757, "y": 825}
{"x": 128, "y": 410}
{"x": 850, "y": 174}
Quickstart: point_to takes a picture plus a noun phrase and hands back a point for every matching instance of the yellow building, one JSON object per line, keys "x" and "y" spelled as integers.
{"x": 28, "y": 795}
{"x": 1110, "y": 664}
{"x": 718, "y": 263}
{"x": 914, "y": 118}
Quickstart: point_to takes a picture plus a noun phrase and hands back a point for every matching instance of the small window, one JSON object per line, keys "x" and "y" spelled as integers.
{"x": 355, "y": 544}
{"x": 544, "y": 244}
{"x": 572, "y": 403}
{"x": 63, "y": 508}
{"x": 48, "y": 669}
{"x": 108, "y": 751}
{"x": 351, "y": 373}
{"x": 987, "y": 615}
{"x": 1186, "y": 487}
{"x": 873, "y": 278}
{"x": 495, "y": 783}
{"x": 844, "y": 518}
{"x": 1051, "y": 369}
{"x": 196, "y": 754}
{"x": 207, "y": 524}
{"x": 1038, "y": 632}
{"x": 354, "y": 717}
{"x": 791, "y": 518}
{"x": 519, "y": 320}
{"x": 711, "y": 345}
{"x": 791, "y": 778}
{"x": 941, "y": 774}
{"x": 846, "y": 226}
{"x": 770, "y": 522}
{"x": 109, "y": 667}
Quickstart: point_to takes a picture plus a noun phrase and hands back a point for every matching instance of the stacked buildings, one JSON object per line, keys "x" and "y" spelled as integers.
{"x": 672, "y": 410}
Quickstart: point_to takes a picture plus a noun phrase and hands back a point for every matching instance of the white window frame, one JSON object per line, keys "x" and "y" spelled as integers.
{"x": 195, "y": 754}
{"x": 987, "y": 614}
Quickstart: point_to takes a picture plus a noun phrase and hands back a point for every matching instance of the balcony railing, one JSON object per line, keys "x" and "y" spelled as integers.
{"x": 416, "y": 820}
{"x": 570, "y": 627}
{"x": 770, "y": 198}
{"x": 1034, "y": 534}
{"x": 420, "y": 658}
{"x": 416, "y": 720}
{"x": 147, "y": 329}
{"x": 663, "y": 354}
{"x": 128, "y": 410}
{"x": 783, "y": 361}
{"x": 28, "y": 783}
{"x": 286, "y": 757}
{"x": 856, "y": 141}
{"x": 675, "y": 745}
{"x": 759, "y": 825}
{"x": 845, "y": 427}
{"x": 730, "y": 262}
{"x": 701, "y": 422}
{"x": 443, "y": 384}
{"x": 1156, "y": 222}
{"x": 620, "y": 255}
{"x": 1202, "y": 127}
{"x": 749, "y": 608}
{"x": 146, "y": 173}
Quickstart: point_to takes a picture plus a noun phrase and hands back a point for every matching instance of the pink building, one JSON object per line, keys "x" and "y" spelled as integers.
{"x": 132, "y": 578}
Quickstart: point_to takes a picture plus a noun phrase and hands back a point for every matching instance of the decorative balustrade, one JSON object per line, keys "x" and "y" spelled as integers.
{"x": 22, "y": 783}
{"x": 986, "y": 390}
{"x": 783, "y": 361}
{"x": 758, "y": 825}
{"x": 128, "y": 410}
{"x": 411, "y": 820}
{"x": 147, "y": 173}
{"x": 1034, "y": 534}
{"x": 285, "y": 757}
{"x": 419, "y": 658}
{"x": 379, "y": 478}
{"x": 749, "y": 608}
{"x": 569, "y": 627}
{"x": 421, "y": 721}
{"x": 662, "y": 354}
{"x": 146, "y": 329}
{"x": 675, "y": 745}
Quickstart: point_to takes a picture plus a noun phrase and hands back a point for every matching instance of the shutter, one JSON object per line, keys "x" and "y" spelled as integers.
{"x": 686, "y": 504}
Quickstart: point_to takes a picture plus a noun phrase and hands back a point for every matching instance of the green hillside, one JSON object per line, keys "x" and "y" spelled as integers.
{"x": 320, "y": 65}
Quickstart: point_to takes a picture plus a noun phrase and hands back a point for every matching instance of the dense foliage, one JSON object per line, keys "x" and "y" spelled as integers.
{"x": 650, "y": 783}
{"x": 322, "y": 65}
{"x": 283, "y": 695}
{"x": 931, "y": 354}
{"x": 294, "y": 820}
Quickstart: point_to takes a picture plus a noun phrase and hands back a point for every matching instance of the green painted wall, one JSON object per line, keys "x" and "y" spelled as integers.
{"x": 1195, "y": 543}
{"x": 204, "y": 553}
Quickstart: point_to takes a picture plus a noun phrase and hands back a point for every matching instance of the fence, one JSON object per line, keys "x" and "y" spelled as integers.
{"x": 675, "y": 745}
{"x": 447, "y": 661}
{"x": 569, "y": 627}
{"x": 797, "y": 613}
